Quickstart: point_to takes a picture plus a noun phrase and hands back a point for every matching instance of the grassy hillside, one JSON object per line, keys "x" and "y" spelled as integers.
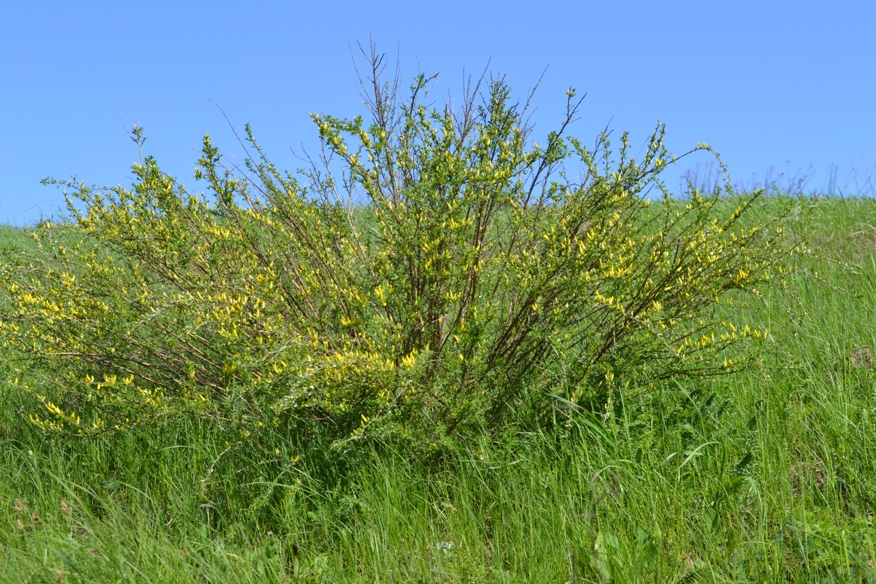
{"x": 765, "y": 475}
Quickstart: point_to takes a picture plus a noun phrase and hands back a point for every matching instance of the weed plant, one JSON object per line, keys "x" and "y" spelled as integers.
{"x": 480, "y": 282}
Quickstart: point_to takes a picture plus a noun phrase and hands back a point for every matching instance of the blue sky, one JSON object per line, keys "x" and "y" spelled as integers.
{"x": 781, "y": 85}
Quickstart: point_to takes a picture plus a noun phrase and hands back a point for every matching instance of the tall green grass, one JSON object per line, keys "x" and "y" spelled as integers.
{"x": 765, "y": 475}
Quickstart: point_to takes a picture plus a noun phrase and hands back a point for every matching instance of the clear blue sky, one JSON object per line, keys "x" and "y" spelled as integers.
{"x": 776, "y": 84}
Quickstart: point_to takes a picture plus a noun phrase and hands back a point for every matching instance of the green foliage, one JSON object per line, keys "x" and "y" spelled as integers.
{"x": 434, "y": 274}
{"x": 767, "y": 474}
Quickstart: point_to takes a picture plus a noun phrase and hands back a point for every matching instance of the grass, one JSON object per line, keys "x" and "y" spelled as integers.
{"x": 765, "y": 475}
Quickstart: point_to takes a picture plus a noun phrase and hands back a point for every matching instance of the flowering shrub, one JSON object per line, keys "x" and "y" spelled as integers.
{"x": 433, "y": 274}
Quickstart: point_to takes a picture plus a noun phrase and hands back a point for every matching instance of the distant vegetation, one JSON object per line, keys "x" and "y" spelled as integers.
{"x": 441, "y": 353}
